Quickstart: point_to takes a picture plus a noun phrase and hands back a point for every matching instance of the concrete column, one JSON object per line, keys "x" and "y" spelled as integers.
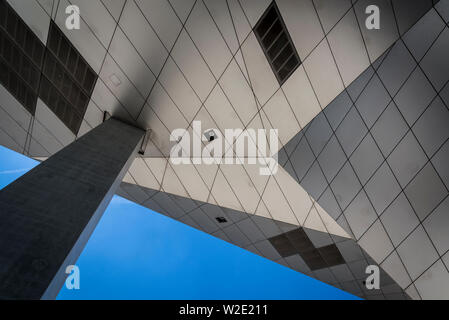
{"x": 48, "y": 215}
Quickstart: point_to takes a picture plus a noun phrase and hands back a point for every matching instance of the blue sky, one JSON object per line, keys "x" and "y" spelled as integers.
{"x": 136, "y": 253}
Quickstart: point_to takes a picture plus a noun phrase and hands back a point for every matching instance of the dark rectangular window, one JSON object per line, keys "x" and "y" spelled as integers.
{"x": 276, "y": 43}
{"x": 71, "y": 60}
{"x": 56, "y": 73}
{"x": 60, "y": 106}
{"x": 17, "y": 87}
{"x": 67, "y": 81}
{"x": 21, "y": 54}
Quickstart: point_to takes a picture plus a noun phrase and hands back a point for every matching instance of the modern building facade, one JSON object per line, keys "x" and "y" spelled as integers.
{"x": 362, "y": 115}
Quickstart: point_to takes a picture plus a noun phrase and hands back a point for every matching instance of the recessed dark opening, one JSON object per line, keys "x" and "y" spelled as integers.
{"x": 73, "y": 63}
{"x": 276, "y": 43}
{"x": 67, "y": 81}
{"x": 21, "y": 54}
{"x": 221, "y": 219}
{"x": 58, "y": 74}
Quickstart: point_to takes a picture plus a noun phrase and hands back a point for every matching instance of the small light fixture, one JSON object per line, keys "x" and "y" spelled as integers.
{"x": 106, "y": 115}
{"x": 115, "y": 80}
{"x": 145, "y": 140}
{"x": 210, "y": 135}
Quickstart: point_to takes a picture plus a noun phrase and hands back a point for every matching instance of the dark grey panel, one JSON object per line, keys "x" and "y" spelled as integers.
{"x": 382, "y": 188}
{"x": 351, "y": 131}
{"x": 426, "y": 191}
{"x": 389, "y": 129}
{"x": 435, "y": 63}
{"x": 440, "y": 161}
{"x": 442, "y": 7}
{"x": 297, "y": 242}
{"x": 366, "y": 159}
{"x": 437, "y": 118}
{"x": 331, "y": 255}
{"x": 314, "y": 182}
{"x": 408, "y": 12}
{"x": 302, "y": 158}
{"x": 337, "y": 109}
{"x": 373, "y": 101}
{"x": 345, "y": 186}
{"x": 318, "y": 133}
{"x": 407, "y": 159}
{"x": 283, "y": 245}
{"x": 414, "y": 96}
{"x": 396, "y": 68}
{"x": 423, "y": 34}
{"x": 332, "y": 159}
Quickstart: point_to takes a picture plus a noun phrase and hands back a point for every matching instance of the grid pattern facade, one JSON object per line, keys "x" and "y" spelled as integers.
{"x": 336, "y": 260}
{"x": 55, "y": 73}
{"x": 163, "y": 64}
{"x": 201, "y": 60}
{"x": 376, "y": 158}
